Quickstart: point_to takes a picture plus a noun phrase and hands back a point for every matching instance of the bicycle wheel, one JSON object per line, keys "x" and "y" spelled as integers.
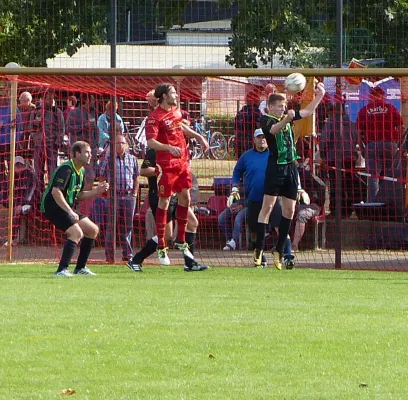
{"x": 196, "y": 151}
{"x": 218, "y": 146}
{"x": 231, "y": 147}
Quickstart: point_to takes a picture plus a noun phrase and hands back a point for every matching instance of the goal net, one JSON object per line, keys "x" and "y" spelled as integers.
{"x": 352, "y": 165}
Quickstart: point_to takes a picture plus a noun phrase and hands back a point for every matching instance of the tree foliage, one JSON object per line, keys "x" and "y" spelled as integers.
{"x": 33, "y": 30}
{"x": 302, "y": 33}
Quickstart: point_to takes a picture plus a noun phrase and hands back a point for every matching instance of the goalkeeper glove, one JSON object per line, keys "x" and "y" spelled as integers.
{"x": 233, "y": 197}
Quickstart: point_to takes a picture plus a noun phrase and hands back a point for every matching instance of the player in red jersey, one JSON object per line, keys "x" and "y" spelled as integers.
{"x": 165, "y": 133}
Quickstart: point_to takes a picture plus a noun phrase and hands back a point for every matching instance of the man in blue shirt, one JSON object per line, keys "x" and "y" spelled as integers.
{"x": 250, "y": 169}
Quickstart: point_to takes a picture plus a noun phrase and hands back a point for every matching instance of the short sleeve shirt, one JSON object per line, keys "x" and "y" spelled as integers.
{"x": 282, "y": 145}
{"x": 165, "y": 126}
{"x": 379, "y": 121}
{"x": 67, "y": 178}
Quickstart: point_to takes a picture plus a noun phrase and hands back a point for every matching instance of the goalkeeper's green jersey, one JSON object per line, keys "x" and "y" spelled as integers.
{"x": 282, "y": 145}
{"x": 67, "y": 178}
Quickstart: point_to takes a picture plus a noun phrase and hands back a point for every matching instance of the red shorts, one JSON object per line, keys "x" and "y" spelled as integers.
{"x": 173, "y": 178}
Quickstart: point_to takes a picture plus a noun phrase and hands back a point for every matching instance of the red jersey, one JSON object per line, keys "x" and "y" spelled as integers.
{"x": 165, "y": 127}
{"x": 380, "y": 122}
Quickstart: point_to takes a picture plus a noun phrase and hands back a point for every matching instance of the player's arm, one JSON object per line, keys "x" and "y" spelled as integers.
{"x": 136, "y": 174}
{"x": 311, "y": 107}
{"x": 102, "y": 187}
{"x": 272, "y": 126}
{"x": 191, "y": 133}
{"x": 148, "y": 172}
{"x": 148, "y": 167}
{"x": 61, "y": 181}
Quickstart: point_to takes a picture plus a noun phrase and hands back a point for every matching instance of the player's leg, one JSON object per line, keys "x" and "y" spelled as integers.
{"x": 263, "y": 218}
{"x": 90, "y": 231}
{"x": 253, "y": 210}
{"x": 182, "y": 186}
{"x": 182, "y": 211}
{"x": 289, "y": 196}
{"x": 190, "y": 264}
{"x": 151, "y": 245}
{"x": 65, "y": 223}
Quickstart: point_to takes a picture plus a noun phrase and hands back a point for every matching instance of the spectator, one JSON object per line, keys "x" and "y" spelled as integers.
{"x": 246, "y": 121}
{"x": 81, "y": 125}
{"x": 127, "y": 186}
{"x": 26, "y": 107}
{"x": 332, "y": 146}
{"x": 232, "y": 222}
{"x": 71, "y": 104}
{"x": 382, "y": 126}
{"x": 104, "y": 122}
{"x": 269, "y": 89}
{"x": 309, "y": 204}
{"x": 5, "y": 128}
{"x": 24, "y": 188}
{"x": 249, "y": 170}
{"x": 48, "y": 129}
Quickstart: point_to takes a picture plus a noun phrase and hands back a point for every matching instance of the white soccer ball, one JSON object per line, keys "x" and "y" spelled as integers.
{"x": 295, "y": 82}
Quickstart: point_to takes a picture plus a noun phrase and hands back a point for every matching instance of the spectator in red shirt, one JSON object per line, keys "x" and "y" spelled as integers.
{"x": 382, "y": 126}
{"x": 165, "y": 133}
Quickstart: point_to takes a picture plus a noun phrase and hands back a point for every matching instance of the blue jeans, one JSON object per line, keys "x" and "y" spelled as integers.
{"x": 232, "y": 225}
{"x": 380, "y": 159}
{"x": 125, "y": 212}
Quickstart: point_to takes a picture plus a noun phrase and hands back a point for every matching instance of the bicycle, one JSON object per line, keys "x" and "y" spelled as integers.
{"x": 231, "y": 147}
{"x": 218, "y": 146}
{"x": 137, "y": 139}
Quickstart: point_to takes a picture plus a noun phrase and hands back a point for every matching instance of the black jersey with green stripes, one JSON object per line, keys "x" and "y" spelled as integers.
{"x": 67, "y": 178}
{"x": 282, "y": 145}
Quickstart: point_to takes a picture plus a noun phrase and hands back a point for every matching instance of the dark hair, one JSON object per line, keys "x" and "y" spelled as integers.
{"x": 73, "y": 100}
{"x": 274, "y": 97}
{"x": 162, "y": 89}
{"x": 77, "y": 147}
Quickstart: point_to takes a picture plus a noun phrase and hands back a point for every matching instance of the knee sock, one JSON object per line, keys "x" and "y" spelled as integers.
{"x": 190, "y": 239}
{"x": 284, "y": 228}
{"x": 287, "y": 248}
{"x": 260, "y": 236}
{"x": 84, "y": 252}
{"x": 67, "y": 253}
{"x": 181, "y": 216}
{"x": 161, "y": 220}
{"x": 149, "y": 249}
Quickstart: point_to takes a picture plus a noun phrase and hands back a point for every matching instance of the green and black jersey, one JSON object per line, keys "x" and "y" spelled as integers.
{"x": 67, "y": 178}
{"x": 282, "y": 145}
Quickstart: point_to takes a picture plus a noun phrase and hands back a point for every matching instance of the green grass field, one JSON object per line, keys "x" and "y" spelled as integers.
{"x": 227, "y": 333}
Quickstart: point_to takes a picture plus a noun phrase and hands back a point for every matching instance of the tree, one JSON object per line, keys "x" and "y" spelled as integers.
{"x": 33, "y": 30}
{"x": 303, "y": 33}
{"x": 266, "y": 28}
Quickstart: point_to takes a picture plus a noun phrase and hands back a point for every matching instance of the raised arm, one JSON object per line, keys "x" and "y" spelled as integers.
{"x": 311, "y": 107}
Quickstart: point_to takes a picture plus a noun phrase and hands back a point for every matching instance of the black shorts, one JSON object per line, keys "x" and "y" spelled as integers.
{"x": 281, "y": 180}
{"x": 60, "y": 218}
{"x": 171, "y": 211}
